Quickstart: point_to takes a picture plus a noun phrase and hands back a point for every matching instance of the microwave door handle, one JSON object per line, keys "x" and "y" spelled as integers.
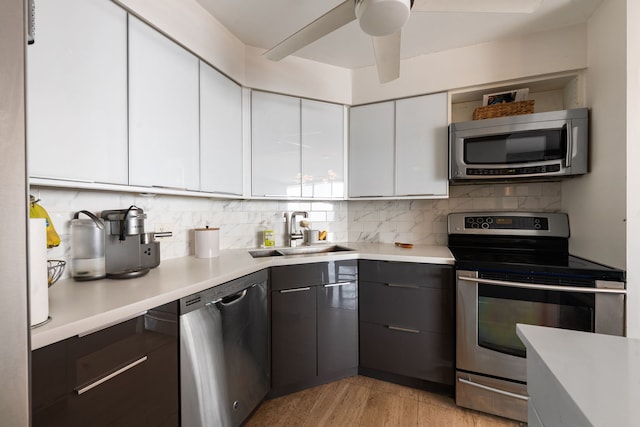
{"x": 568, "y": 131}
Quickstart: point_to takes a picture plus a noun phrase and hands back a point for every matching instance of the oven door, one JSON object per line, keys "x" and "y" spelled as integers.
{"x": 488, "y": 311}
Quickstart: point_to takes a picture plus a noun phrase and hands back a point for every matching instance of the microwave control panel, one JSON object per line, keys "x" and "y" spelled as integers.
{"x": 527, "y": 170}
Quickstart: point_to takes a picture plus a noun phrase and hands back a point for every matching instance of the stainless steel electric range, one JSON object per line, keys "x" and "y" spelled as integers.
{"x": 515, "y": 267}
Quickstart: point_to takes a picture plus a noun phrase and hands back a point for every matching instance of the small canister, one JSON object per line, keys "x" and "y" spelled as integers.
{"x": 87, "y": 247}
{"x": 311, "y": 236}
{"x": 207, "y": 242}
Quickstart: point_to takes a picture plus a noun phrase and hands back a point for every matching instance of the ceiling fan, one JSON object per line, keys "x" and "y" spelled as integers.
{"x": 383, "y": 20}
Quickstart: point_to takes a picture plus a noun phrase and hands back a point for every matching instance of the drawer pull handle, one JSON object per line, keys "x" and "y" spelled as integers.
{"x": 111, "y": 375}
{"x": 287, "y": 291}
{"x": 398, "y": 328}
{"x": 394, "y": 285}
{"x": 333, "y": 285}
{"x": 492, "y": 389}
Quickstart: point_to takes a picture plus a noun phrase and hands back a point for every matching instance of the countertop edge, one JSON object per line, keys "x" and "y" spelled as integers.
{"x": 606, "y": 363}
{"x": 102, "y": 303}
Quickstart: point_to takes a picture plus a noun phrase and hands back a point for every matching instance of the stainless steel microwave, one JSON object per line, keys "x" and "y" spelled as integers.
{"x": 550, "y": 144}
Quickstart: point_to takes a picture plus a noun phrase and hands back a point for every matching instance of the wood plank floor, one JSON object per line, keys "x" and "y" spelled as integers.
{"x": 366, "y": 402}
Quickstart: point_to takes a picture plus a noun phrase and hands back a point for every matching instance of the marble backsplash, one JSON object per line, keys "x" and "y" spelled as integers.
{"x": 242, "y": 221}
{"x": 425, "y": 221}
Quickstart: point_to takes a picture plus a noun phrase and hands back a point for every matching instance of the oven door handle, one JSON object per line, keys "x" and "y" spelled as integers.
{"x": 543, "y": 287}
{"x": 494, "y": 390}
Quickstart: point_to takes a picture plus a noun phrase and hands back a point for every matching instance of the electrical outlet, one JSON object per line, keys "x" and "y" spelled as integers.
{"x": 164, "y": 227}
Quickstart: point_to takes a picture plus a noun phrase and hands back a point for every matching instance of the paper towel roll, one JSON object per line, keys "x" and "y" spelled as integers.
{"x": 38, "y": 277}
{"x": 207, "y": 242}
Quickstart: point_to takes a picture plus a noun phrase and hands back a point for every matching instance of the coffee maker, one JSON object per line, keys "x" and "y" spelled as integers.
{"x": 129, "y": 251}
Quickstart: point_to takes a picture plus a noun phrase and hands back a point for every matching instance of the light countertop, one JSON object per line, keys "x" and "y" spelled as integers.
{"x": 80, "y": 307}
{"x": 600, "y": 375}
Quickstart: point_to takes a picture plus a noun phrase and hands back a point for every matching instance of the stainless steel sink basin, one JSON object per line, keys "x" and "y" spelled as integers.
{"x": 299, "y": 250}
{"x": 261, "y": 253}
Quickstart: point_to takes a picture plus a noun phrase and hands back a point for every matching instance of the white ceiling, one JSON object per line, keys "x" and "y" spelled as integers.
{"x": 265, "y": 23}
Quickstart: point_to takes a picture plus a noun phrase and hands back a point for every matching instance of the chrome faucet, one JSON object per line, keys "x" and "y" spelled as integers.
{"x": 295, "y": 233}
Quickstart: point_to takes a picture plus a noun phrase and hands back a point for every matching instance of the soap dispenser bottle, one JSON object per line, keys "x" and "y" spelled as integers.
{"x": 268, "y": 236}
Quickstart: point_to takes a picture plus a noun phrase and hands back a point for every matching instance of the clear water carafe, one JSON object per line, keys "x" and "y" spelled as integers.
{"x": 87, "y": 247}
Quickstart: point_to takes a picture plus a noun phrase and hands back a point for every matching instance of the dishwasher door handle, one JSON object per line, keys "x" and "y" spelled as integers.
{"x": 233, "y": 299}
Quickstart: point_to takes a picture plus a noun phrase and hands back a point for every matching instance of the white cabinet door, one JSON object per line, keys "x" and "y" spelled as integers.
{"x": 371, "y": 150}
{"x": 275, "y": 145}
{"x": 422, "y": 146}
{"x": 322, "y": 149}
{"x": 220, "y": 133}
{"x": 163, "y": 111}
{"x": 77, "y": 92}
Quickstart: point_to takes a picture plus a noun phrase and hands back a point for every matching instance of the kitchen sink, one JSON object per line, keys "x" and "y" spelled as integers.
{"x": 262, "y": 253}
{"x": 299, "y": 250}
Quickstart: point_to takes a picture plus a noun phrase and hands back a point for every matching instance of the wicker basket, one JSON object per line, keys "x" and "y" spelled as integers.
{"x": 505, "y": 109}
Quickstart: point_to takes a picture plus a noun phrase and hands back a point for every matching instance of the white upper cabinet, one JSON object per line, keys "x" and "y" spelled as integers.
{"x": 275, "y": 145}
{"x": 77, "y": 92}
{"x": 297, "y": 147}
{"x": 371, "y": 150}
{"x": 399, "y": 148}
{"x": 221, "y": 152}
{"x": 163, "y": 111}
{"x": 422, "y": 146}
{"x": 322, "y": 150}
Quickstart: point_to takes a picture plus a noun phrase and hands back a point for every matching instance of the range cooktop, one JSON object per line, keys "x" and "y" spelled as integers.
{"x": 521, "y": 244}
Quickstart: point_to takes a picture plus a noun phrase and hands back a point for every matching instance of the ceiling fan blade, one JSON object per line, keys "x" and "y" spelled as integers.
{"x": 387, "y": 51}
{"x": 330, "y": 21}
{"x": 477, "y": 6}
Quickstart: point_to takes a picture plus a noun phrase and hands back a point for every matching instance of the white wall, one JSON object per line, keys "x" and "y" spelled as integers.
{"x": 596, "y": 202}
{"x": 298, "y": 77}
{"x": 633, "y": 173}
{"x": 535, "y": 54}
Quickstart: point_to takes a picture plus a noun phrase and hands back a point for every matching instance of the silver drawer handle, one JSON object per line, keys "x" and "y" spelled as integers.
{"x": 494, "y": 390}
{"x": 111, "y": 375}
{"x": 394, "y": 285}
{"x": 398, "y": 328}
{"x": 287, "y": 291}
{"x": 333, "y": 285}
{"x": 544, "y": 287}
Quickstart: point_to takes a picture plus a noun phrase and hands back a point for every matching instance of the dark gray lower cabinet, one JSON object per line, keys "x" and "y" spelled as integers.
{"x": 337, "y": 328}
{"x": 314, "y": 324}
{"x": 407, "y": 321}
{"x": 125, "y": 375}
{"x": 293, "y": 336}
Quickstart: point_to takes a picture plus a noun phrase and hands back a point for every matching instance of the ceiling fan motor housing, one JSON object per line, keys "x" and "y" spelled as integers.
{"x": 382, "y": 17}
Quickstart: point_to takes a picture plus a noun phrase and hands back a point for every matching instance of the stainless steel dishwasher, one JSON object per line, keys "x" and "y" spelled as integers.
{"x": 224, "y": 352}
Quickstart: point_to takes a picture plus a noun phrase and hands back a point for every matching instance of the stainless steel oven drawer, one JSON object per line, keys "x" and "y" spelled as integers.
{"x": 504, "y": 398}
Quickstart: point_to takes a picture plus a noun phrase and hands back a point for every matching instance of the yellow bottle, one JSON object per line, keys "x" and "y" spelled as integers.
{"x": 268, "y": 239}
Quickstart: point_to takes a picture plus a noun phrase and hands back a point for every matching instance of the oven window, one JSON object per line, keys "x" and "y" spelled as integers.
{"x": 519, "y": 147}
{"x": 500, "y": 308}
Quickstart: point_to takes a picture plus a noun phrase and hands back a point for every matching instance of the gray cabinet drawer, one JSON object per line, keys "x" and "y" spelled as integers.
{"x": 422, "y": 355}
{"x": 405, "y": 273}
{"x": 314, "y": 274}
{"x": 425, "y": 309}
{"x": 126, "y": 374}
